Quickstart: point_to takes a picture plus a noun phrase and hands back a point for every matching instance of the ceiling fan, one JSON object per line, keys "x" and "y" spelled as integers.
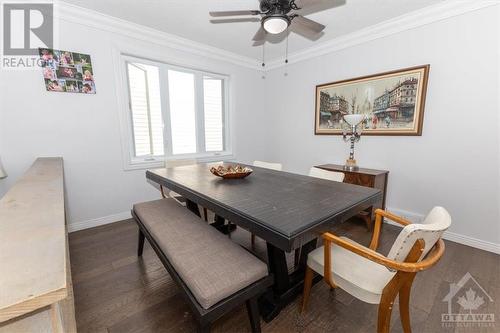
{"x": 278, "y": 15}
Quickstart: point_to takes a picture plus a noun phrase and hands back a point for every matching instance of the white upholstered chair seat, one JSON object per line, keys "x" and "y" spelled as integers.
{"x": 360, "y": 277}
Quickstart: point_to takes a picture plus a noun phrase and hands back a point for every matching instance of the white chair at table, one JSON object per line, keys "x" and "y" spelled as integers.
{"x": 374, "y": 278}
{"x": 328, "y": 175}
{"x": 165, "y": 193}
{"x": 266, "y": 165}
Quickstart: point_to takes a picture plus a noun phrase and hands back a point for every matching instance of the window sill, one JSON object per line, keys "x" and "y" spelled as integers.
{"x": 160, "y": 161}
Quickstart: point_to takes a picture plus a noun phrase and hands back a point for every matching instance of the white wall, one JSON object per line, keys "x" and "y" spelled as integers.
{"x": 455, "y": 163}
{"x": 84, "y": 129}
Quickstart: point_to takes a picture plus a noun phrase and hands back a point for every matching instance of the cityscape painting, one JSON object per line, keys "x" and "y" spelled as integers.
{"x": 392, "y": 102}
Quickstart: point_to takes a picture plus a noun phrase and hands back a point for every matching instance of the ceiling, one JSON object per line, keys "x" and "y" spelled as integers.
{"x": 190, "y": 19}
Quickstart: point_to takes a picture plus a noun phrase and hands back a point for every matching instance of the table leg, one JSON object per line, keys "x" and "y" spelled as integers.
{"x": 286, "y": 286}
{"x": 276, "y": 261}
{"x": 193, "y": 207}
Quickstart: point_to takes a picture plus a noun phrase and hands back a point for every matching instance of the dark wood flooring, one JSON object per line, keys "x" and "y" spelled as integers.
{"x": 115, "y": 291}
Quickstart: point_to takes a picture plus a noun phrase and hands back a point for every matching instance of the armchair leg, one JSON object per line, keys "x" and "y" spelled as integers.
{"x": 252, "y": 239}
{"x": 404, "y": 305}
{"x": 385, "y": 308}
{"x": 307, "y": 287}
{"x": 140, "y": 246}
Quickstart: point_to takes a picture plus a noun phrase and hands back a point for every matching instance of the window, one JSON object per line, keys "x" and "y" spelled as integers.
{"x": 214, "y": 112}
{"x": 145, "y": 105}
{"x": 173, "y": 112}
{"x": 181, "y": 92}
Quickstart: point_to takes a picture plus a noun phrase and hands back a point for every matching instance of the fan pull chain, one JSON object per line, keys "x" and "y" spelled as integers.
{"x": 264, "y": 55}
{"x": 286, "y": 51}
{"x": 286, "y": 56}
{"x": 263, "y": 60}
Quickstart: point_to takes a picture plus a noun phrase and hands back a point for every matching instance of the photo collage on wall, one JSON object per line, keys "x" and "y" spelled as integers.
{"x": 65, "y": 71}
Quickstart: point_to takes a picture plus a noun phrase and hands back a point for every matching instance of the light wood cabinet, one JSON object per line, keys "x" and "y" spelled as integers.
{"x": 36, "y": 292}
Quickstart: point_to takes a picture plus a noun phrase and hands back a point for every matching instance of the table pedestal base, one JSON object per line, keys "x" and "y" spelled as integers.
{"x": 286, "y": 286}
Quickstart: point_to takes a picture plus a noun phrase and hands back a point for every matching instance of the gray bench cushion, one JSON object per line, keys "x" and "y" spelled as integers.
{"x": 211, "y": 265}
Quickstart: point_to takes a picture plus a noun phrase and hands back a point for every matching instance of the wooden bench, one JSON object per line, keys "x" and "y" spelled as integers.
{"x": 215, "y": 274}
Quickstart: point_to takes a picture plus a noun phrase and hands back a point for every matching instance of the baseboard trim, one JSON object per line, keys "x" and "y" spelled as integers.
{"x": 82, "y": 225}
{"x": 414, "y": 217}
{"x": 472, "y": 242}
{"x": 448, "y": 235}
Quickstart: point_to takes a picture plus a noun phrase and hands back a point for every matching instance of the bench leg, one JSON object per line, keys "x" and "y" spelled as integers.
{"x": 253, "y": 314}
{"x": 140, "y": 245}
{"x": 205, "y": 328}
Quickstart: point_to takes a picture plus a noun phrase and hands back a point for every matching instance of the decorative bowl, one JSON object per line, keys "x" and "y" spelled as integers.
{"x": 231, "y": 171}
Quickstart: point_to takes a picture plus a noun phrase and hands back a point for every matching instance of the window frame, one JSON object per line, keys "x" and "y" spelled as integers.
{"x": 132, "y": 162}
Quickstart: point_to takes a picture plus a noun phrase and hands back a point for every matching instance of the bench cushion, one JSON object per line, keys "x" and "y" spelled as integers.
{"x": 211, "y": 265}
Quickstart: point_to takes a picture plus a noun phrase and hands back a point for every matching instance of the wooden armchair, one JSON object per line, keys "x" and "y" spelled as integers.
{"x": 374, "y": 278}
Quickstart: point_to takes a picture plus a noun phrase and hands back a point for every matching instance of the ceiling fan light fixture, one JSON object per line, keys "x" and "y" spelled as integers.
{"x": 275, "y": 24}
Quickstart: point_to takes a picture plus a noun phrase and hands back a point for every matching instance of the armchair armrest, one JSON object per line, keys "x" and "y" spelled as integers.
{"x": 379, "y": 214}
{"x": 390, "y": 216}
{"x": 431, "y": 259}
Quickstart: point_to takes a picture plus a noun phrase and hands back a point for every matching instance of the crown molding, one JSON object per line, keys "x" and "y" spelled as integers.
{"x": 427, "y": 15}
{"x": 90, "y": 18}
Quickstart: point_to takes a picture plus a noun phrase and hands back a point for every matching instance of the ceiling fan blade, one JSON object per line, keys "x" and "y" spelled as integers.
{"x": 235, "y": 20}
{"x": 259, "y": 42}
{"x": 306, "y": 32}
{"x": 272, "y": 38}
{"x": 259, "y": 35}
{"x": 306, "y": 23}
{"x": 234, "y": 13}
{"x": 313, "y": 6}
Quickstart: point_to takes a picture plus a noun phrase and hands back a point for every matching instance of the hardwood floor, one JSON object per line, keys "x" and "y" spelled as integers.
{"x": 115, "y": 291}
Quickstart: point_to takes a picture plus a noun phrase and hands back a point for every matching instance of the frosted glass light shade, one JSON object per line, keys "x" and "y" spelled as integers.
{"x": 354, "y": 119}
{"x": 3, "y": 174}
{"x": 275, "y": 24}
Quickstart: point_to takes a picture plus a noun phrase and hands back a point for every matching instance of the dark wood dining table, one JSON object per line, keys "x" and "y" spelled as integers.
{"x": 289, "y": 211}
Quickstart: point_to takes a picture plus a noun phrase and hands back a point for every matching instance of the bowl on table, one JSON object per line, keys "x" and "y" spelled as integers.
{"x": 231, "y": 171}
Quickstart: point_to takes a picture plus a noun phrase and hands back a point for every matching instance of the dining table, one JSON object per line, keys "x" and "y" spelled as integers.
{"x": 288, "y": 211}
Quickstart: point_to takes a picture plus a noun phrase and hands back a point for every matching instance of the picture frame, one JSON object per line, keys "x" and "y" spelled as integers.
{"x": 393, "y": 102}
{"x": 66, "y": 71}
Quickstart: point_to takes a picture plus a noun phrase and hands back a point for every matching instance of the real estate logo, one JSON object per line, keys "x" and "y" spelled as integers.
{"x": 26, "y": 26}
{"x": 467, "y": 302}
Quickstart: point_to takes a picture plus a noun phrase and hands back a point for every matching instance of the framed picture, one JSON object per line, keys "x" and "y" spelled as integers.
{"x": 392, "y": 102}
{"x": 65, "y": 71}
